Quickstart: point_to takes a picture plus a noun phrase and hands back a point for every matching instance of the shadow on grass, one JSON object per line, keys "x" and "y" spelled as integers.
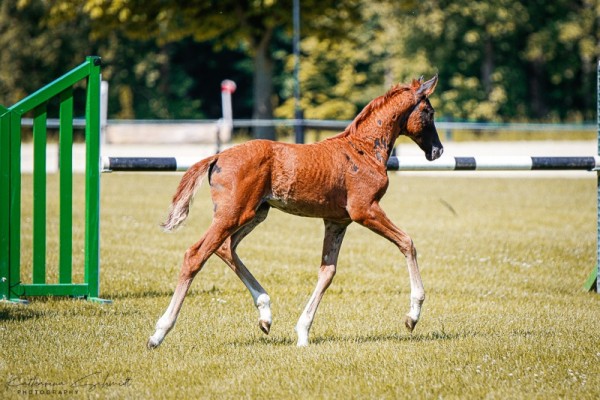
{"x": 12, "y": 312}
{"x": 52, "y": 307}
{"x": 151, "y": 294}
{"x": 273, "y": 341}
{"x": 434, "y": 336}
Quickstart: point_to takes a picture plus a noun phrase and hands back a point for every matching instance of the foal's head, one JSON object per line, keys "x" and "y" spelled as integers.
{"x": 419, "y": 125}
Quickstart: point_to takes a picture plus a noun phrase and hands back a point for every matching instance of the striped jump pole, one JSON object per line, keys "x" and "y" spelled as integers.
{"x": 141, "y": 164}
{"x": 494, "y": 163}
{"x": 487, "y": 163}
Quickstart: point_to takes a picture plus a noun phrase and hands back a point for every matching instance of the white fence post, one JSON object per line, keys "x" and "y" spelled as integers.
{"x": 103, "y": 111}
{"x": 226, "y": 123}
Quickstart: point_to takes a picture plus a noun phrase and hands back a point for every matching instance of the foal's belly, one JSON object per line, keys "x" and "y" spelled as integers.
{"x": 303, "y": 208}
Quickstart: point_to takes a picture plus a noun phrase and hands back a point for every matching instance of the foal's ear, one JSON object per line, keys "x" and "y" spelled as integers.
{"x": 427, "y": 88}
{"x": 417, "y": 82}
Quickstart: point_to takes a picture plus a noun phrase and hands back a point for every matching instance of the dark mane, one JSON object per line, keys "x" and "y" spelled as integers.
{"x": 373, "y": 105}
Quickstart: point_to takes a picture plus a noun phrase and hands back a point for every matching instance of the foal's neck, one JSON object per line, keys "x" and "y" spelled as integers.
{"x": 378, "y": 146}
{"x": 380, "y": 128}
{"x": 375, "y": 129}
{"x": 377, "y": 134}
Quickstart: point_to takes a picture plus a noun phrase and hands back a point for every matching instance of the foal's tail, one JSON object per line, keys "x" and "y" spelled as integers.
{"x": 182, "y": 199}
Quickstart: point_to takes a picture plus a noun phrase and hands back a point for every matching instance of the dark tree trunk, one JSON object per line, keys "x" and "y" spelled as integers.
{"x": 487, "y": 67}
{"x": 538, "y": 104}
{"x": 263, "y": 87}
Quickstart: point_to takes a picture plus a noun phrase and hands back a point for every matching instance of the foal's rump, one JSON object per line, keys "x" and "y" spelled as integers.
{"x": 240, "y": 177}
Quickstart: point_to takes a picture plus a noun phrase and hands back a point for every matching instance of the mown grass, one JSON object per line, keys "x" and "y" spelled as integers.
{"x": 503, "y": 262}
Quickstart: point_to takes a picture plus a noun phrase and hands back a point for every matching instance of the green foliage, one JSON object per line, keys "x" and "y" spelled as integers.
{"x": 330, "y": 65}
{"x": 241, "y": 25}
{"x": 145, "y": 82}
{"x": 31, "y": 55}
{"x": 498, "y": 61}
{"x": 511, "y": 60}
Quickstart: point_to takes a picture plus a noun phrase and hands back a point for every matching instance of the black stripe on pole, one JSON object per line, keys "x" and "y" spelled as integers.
{"x": 465, "y": 164}
{"x": 393, "y": 164}
{"x": 142, "y": 163}
{"x": 461, "y": 164}
{"x": 560, "y": 163}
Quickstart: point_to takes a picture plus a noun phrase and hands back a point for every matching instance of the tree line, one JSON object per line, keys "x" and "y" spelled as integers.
{"x": 502, "y": 60}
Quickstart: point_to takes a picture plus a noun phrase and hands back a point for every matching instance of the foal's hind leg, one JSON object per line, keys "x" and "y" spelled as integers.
{"x": 334, "y": 234}
{"x": 193, "y": 261}
{"x": 228, "y": 254}
{"x": 375, "y": 219}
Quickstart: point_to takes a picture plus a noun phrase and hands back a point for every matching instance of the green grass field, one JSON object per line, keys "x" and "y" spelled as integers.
{"x": 503, "y": 262}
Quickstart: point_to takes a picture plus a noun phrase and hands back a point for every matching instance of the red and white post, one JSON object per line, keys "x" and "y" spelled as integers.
{"x": 226, "y": 123}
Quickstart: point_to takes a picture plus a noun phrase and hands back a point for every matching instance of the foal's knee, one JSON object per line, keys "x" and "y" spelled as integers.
{"x": 327, "y": 272}
{"x": 407, "y": 247}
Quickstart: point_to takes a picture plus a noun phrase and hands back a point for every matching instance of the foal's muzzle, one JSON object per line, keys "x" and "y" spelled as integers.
{"x": 434, "y": 154}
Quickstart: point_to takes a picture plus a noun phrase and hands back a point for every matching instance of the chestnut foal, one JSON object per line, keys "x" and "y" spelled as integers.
{"x": 340, "y": 179}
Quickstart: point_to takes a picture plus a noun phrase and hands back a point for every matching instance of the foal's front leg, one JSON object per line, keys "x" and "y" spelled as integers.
{"x": 334, "y": 234}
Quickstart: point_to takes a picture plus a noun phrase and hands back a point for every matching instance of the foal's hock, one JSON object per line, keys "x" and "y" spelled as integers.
{"x": 340, "y": 179}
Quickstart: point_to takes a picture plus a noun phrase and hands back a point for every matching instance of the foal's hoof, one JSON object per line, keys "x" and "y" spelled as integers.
{"x": 409, "y": 323}
{"x": 264, "y": 326}
{"x": 152, "y": 343}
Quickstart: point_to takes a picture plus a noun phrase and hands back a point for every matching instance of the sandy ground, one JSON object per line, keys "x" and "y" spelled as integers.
{"x": 473, "y": 149}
